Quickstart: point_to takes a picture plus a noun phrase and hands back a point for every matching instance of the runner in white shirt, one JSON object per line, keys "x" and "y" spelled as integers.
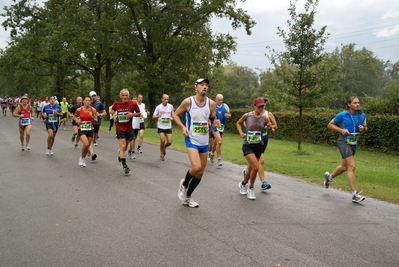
{"x": 163, "y": 112}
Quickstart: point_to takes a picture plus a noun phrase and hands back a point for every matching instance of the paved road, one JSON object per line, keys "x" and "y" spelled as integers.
{"x": 54, "y": 213}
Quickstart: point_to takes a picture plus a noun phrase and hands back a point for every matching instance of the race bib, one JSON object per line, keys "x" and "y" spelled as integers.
{"x": 265, "y": 131}
{"x": 254, "y": 136}
{"x": 25, "y": 121}
{"x": 352, "y": 138}
{"x": 200, "y": 128}
{"x": 85, "y": 126}
{"x": 165, "y": 120}
{"x": 122, "y": 117}
{"x": 221, "y": 128}
{"x": 52, "y": 118}
{"x": 141, "y": 119}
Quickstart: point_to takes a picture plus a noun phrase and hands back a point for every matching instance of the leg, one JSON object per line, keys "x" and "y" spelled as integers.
{"x": 21, "y": 135}
{"x": 252, "y": 169}
{"x": 28, "y": 129}
{"x": 162, "y": 142}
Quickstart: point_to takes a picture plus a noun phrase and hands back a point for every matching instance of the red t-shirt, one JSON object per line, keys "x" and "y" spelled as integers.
{"x": 122, "y": 123}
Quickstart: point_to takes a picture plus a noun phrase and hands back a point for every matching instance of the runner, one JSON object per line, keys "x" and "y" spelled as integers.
{"x": 75, "y": 137}
{"x": 64, "y": 108}
{"x": 198, "y": 110}
{"x": 123, "y": 111}
{"x": 349, "y": 124}
{"x": 252, "y": 146}
{"x": 4, "y": 104}
{"x": 163, "y": 112}
{"x": 84, "y": 117}
{"x": 100, "y": 112}
{"x": 222, "y": 112}
{"x": 51, "y": 113}
{"x": 24, "y": 113}
{"x": 141, "y": 121}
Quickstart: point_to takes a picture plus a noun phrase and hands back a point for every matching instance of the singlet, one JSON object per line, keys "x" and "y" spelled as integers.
{"x": 350, "y": 122}
{"x": 64, "y": 107}
{"x": 197, "y": 122}
{"x": 221, "y": 115}
{"x": 166, "y": 113}
{"x": 27, "y": 118}
{"x": 254, "y": 128}
{"x": 85, "y": 119}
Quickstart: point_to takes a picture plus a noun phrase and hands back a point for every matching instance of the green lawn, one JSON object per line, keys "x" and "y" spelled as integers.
{"x": 377, "y": 173}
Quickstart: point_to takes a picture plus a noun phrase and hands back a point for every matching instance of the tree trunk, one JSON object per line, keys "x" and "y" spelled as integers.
{"x": 300, "y": 123}
{"x": 97, "y": 75}
{"x": 151, "y": 106}
{"x": 108, "y": 82}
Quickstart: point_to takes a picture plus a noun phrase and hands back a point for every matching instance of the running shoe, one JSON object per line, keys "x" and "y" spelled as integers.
{"x": 265, "y": 185}
{"x": 47, "y": 152}
{"x": 126, "y": 169}
{"x": 191, "y": 203}
{"x": 83, "y": 163}
{"x": 357, "y": 198}
{"x": 133, "y": 155}
{"x": 51, "y": 152}
{"x": 251, "y": 193}
{"x": 162, "y": 157}
{"x": 129, "y": 154}
{"x": 243, "y": 190}
{"x": 22, "y": 148}
{"x": 77, "y": 146}
{"x": 27, "y": 147}
{"x": 80, "y": 162}
{"x": 182, "y": 193}
{"x": 328, "y": 179}
{"x": 95, "y": 143}
{"x": 211, "y": 157}
{"x": 139, "y": 150}
{"x": 73, "y": 138}
{"x": 119, "y": 158}
{"x": 93, "y": 157}
{"x": 220, "y": 162}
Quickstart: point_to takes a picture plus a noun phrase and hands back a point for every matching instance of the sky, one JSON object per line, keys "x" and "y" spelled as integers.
{"x": 373, "y": 24}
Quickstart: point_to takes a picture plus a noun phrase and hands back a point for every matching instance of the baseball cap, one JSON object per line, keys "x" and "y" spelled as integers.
{"x": 264, "y": 99}
{"x": 92, "y": 93}
{"x": 259, "y": 102}
{"x": 200, "y": 80}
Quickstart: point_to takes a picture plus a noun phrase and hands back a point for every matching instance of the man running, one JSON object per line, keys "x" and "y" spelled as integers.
{"x": 51, "y": 114}
{"x": 64, "y": 107}
{"x": 222, "y": 113}
{"x": 24, "y": 112}
{"x": 163, "y": 112}
{"x": 100, "y": 109}
{"x": 141, "y": 122}
{"x": 123, "y": 112}
{"x": 349, "y": 124}
{"x": 75, "y": 126}
{"x": 198, "y": 110}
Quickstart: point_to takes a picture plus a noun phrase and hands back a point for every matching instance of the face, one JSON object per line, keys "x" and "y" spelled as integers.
{"x": 165, "y": 100}
{"x": 93, "y": 98}
{"x": 134, "y": 98}
{"x": 52, "y": 100}
{"x": 139, "y": 98}
{"x": 124, "y": 96}
{"x": 79, "y": 101}
{"x": 64, "y": 99}
{"x": 219, "y": 100}
{"x": 259, "y": 108}
{"x": 355, "y": 104}
{"x": 202, "y": 88}
{"x": 24, "y": 101}
{"x": 87, "y": 101}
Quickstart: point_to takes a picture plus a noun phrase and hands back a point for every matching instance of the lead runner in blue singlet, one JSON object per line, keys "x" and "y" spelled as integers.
{"x": 198, "y": 109}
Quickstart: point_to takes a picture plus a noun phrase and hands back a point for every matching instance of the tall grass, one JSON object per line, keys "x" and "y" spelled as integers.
{"x": 377, "y": 173}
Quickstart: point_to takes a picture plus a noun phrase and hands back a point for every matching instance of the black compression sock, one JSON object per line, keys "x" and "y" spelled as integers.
{"x": 193, "y": 184}
{"x": 187, "y": 179}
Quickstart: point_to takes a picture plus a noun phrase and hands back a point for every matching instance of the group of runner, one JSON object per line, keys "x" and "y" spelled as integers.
{"x": 203, "y": 130}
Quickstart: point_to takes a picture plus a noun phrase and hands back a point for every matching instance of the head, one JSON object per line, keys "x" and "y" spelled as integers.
{"x": 124, "y": 95}
{"x": 201, "y": 86}
{"x": 219, "y": 99}
{"x": 51, "y": 99}
{"x": 46, "y": 99}
{"x": 93, "y": 96}
{"x": 86, "y": 101}
{"x": 79, "y": 101}
{"x": 24, "y": 100}
{"x": 353, "y": 103}
{"x": 165, "y": 99}
{"x": 134, "y": 98}
{"x": 259, "y": 104}
{"x": 139, "y": 98}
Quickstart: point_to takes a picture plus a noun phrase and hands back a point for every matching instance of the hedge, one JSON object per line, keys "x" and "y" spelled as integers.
{"x": 382, "y": 134}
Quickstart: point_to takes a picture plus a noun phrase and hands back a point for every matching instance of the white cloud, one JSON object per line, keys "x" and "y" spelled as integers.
{"x": 387, "y": 32}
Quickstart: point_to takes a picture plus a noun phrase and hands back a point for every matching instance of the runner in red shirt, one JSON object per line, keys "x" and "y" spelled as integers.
{"x": 24, "y": 113}
{"x": 123, "y": 111}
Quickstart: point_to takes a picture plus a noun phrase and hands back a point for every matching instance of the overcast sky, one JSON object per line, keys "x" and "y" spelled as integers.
{"x": 373, "y": 24}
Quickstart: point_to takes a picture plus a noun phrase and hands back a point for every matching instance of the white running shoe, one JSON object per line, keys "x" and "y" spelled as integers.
{"x": 357, "y": 198}
{"x": 220, "y": 162}
{"x": 328, "y": 179}
{"x": 80, "y": 162}
{"x": 83, "y": 163}
{"x": 47, "y": 152}
{"x": 191, "y": 203}
{"x": 251, "y": 193}
{"x": 22, "y": 148}
{"x": 51, "y": 152}
{"x": 182, "y": 192}
{"x": 243, "y": 190}
{"x": 27, "y": 148}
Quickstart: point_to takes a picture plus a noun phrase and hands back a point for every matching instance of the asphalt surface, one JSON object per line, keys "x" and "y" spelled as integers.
{"x": 55, "y": 213}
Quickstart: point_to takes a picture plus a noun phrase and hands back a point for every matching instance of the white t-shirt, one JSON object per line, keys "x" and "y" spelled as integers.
{"x": 137, "y": 120}
{"x": 164, "y": 122}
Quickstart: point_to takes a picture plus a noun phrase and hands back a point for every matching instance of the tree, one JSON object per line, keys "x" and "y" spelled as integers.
{"x": 304, "y": 53}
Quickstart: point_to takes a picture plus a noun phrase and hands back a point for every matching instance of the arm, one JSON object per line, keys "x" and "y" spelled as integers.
{"x": 179, "y": 111}
{"x": 333, "y": 126}
{"x": 94, "y": 116}
{"x": 272, "y": 125}
{"x": 239, "y": 125}
{"x": 215, "y": 122}
{"x": 16, "y": 112}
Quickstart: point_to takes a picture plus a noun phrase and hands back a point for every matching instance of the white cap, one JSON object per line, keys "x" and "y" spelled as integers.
{"x": 92, "y": 93}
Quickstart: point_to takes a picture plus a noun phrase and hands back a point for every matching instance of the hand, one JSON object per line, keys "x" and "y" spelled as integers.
{"x": 242, "y": 135}
{"x": 344, "y": 132}
{"x": 185, "y": 132}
